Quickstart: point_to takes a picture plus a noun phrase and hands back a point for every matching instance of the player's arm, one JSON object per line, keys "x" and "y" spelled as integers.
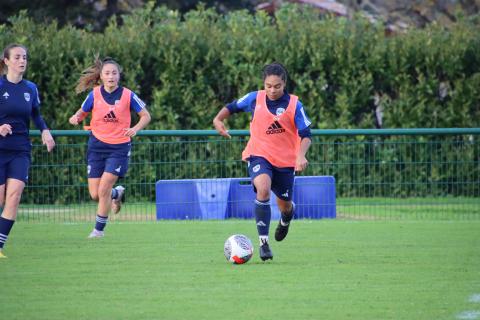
{"x": 303, "y": 125}
{"x": 84, "y": 110}
{"x": 243, "y": 104}
{"x": 223, "y": 114}
{"x": 302, "y": 162}
{"x": 47, "y": 138}
{"x": 138, "y": 106}
{"x": 78, "y": 117}
{"x": 142, "y": 123}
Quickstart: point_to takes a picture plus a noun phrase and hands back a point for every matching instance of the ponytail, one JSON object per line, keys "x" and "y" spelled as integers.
{"x": 91, "y": 76}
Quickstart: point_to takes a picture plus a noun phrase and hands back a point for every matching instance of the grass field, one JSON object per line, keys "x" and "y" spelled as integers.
{"x": 325, "y": 269}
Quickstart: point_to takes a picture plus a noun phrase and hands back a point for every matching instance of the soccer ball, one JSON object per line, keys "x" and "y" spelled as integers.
{"x": 238, "y": 249}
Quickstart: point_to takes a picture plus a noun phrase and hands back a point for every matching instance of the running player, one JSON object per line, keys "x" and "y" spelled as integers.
{"x": 109, "y": 143}
{"x": 19, "y": 101}
{"x": 279, "y": 140}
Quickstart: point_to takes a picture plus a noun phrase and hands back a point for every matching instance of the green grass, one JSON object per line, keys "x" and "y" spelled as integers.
{"x": 326, "y": 269}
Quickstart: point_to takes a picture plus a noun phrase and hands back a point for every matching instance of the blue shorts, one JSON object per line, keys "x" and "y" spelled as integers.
{"x": 15, "y": 165}
{"x": 115, "y": 163}
{"x": 282, "y": 178}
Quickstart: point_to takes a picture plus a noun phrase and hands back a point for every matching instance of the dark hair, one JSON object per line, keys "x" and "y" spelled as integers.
{"x": 91, "y": 76}
{"x": 6, "y": 54}
{"x": 275, "y": 69}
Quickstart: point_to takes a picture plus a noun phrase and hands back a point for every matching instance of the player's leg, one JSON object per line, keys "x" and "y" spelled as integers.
{"x": 95, "y": 168}
{"x": 2, "y": 196}
{"x": 117, "y": 166}
{"x": 2, "y": 203}
{"x": 282, "y": 186}
{"x": 14, "y": 189}
{"x": 260, "y": 172}
{"x": 93, "y": 184}
{"x": 13, "y": 177}
{"x": 104, "y": 192}
{"x": 287, "y": 211}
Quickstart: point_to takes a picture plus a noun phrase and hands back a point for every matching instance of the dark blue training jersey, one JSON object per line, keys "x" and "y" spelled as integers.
{"x": 18, "y": 103}
{"x": 247, "y": 104}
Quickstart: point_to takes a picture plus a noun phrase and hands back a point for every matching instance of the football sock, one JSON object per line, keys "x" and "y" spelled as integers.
{"x": 5, "y": 227}
{"x": 287, "y": 216}
{"x": 263, "y": 240}
{"x": 114, "y": 193}
{"x": 100, "y": 223}
{"x": 262, "y": 217}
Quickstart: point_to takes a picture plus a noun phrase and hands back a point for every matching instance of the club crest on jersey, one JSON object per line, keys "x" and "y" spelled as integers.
{"x": 280, "y": 111}
{"x": 274, "y": 128}
{"x": 26, "y": 95}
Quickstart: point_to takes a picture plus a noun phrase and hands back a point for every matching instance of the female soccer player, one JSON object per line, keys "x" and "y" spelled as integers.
{"x": 279, "y": 140}
{"x": 19, "y": 101}
{"x": 109, "y": 144}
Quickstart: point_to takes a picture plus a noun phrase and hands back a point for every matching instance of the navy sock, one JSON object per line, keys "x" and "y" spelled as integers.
{"x": 114, "y": 193}
{"x": 288, "y": 216}
{"x": 100, "y": 222}
{"x": 5, "y": 227}
{"x": 263, "y": 215}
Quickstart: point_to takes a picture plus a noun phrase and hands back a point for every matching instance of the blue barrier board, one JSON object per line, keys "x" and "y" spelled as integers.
{"x": 314, "y": 198}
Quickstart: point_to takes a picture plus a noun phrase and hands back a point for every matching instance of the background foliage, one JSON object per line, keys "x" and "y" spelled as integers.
{"x": 186, "y": 67}
{"x": 346, "y": 72}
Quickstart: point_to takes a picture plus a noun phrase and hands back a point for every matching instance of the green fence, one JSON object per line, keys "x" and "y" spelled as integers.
{"x": 380, "y": 174}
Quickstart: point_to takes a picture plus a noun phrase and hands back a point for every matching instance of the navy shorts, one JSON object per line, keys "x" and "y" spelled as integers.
{"x": 115, "y": 163}
{"x": 282, "y": 178}
{"x": 15, "y": 165}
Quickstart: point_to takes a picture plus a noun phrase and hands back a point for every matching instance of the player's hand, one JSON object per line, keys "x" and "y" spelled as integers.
{"x": 74, "y": 120}
{"x": 5, "y": 129}
{"x": 301, "y": 163}
{"x": 130, "y": 132}
{"x": 220, "y": 127}
{"x": 47, "y": 140}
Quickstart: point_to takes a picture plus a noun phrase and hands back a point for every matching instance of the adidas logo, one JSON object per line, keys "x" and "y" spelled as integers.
{"x": 275, "y": 127}
{"x": 110, "y": 117}
{"x": 261, "y": 224}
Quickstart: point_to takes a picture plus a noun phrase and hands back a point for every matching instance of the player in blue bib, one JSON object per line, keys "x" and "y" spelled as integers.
{"x": 19, "y": 101}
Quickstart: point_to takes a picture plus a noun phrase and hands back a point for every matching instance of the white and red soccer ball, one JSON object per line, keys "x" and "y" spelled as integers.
{"x": 238, "y": 249}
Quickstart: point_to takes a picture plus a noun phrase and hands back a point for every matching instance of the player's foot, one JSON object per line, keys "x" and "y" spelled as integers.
{"x": 2, "y": 256}
{"x": 281, "y": 231}
{"x": 117, "y": 203}
{"x": 96, "y": 234}
{"x": 265, "y": 252}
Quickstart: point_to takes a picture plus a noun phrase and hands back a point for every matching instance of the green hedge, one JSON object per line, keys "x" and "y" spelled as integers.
{"x": 187, "y": 67}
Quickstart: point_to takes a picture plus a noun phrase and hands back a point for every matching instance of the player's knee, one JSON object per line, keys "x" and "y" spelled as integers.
{"x": 263, "y": 194}
{"x": 94, "y": 196}
{"x": 104, "y": 192}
